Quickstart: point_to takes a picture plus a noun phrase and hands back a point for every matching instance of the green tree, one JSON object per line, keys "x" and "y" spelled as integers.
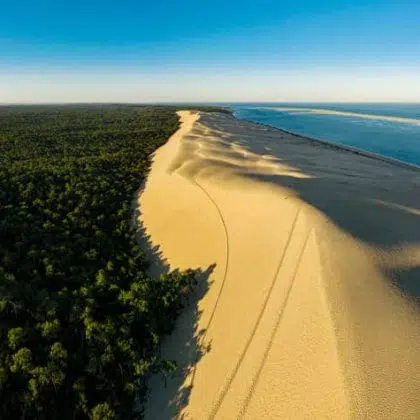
{"x": 15, "y": 337}
{"x": 103, "y": 412}
{"x": 22, "y": 361}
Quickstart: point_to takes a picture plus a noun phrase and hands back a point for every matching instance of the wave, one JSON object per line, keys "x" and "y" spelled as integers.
{"x": 318, "y": 111}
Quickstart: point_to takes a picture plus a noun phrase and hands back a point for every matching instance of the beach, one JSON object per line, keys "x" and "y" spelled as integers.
{"x": 309, "y": 259}
{"x": 386, "y": 130}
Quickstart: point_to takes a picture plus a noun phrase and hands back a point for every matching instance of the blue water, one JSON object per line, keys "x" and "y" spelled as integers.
{"x": 370, "y": 131}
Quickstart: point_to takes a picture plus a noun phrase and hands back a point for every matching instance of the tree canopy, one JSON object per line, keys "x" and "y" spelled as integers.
{"x": 80, "y": 320}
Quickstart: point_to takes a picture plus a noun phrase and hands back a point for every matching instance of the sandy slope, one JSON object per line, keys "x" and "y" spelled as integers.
{"x": 305, "y": 250}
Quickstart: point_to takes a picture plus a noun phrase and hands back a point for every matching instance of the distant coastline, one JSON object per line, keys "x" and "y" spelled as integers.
{"x": 326, "y": 143}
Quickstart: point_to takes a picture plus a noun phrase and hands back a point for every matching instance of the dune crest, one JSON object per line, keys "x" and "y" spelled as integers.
{"x": 312, "y": 262}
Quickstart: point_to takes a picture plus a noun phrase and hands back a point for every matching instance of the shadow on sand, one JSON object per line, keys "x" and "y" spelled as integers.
{"x": 186, "y": 344}
{"x": 375, "y": 201}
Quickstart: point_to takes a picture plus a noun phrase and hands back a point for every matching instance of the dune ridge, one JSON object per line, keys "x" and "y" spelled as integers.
{"x": 313, "y": 254}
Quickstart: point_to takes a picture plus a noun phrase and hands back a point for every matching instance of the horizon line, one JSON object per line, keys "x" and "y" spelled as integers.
{"x": 182, "y": 102}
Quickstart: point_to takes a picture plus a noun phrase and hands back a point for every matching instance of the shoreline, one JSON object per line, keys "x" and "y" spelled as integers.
{"x": 326, "y": 143}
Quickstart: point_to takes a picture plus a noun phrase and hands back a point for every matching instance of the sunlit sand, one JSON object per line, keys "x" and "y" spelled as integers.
{"x": 311, "y": 267}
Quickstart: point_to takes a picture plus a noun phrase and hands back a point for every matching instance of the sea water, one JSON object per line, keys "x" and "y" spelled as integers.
{"x": 390, "y": 130}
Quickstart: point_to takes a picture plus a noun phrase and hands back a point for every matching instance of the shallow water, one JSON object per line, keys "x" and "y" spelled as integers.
{"x": 390, "y": 130}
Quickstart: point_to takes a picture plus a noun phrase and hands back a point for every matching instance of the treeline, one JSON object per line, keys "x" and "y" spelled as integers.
{"x": 80, "y": 321}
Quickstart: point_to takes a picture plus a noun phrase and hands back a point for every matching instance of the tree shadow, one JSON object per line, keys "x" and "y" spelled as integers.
{"x": 185, "y": 344}
{"x": 374, "y": 200}
{"x": 186, "y": 347}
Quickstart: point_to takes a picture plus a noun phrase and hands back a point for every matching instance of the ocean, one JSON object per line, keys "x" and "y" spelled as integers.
{"x": 389, "y": 130}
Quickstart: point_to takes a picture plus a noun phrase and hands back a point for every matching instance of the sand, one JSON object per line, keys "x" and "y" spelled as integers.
{"x": 310, "y": 270}
{"x": 318, "y": 111}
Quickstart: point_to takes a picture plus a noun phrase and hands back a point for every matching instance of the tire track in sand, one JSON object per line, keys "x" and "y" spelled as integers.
{"x": 213, "y": 201}
{"x": 274, "y": 332}
{"x": 227, "y": 386}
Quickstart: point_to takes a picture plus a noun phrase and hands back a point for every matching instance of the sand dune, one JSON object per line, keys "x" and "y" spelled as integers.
{"x": 310, "y": 261}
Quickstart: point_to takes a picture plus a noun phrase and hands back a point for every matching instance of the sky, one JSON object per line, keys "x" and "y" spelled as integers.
{"x": 209, "y": 51}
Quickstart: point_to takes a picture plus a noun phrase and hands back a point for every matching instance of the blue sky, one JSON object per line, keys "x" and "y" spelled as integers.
{"x": 216, "y": 50}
